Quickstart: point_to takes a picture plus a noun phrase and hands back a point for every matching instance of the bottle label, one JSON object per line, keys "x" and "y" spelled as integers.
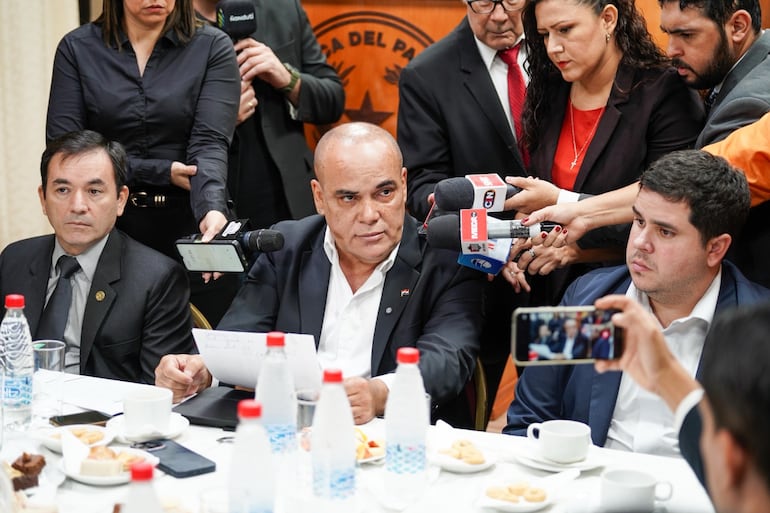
{"x": 283, "y": 437}
{"x": 405, "y": 458}
{"x": 336, "y": 484}
{"x": 18, "y": 391}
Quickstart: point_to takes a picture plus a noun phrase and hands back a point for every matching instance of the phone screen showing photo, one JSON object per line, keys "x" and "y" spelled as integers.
{"x": 564, "y": 335}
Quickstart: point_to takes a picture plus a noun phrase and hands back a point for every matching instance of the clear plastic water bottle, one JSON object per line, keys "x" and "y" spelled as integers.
{"x": 406, "y": 425}
{"x": 333, "y": 447}
{"x": 142, "y": 497}
{"x": 18, "y": 365}
{"x": 251, "y": 483}
{"x": 275, "y": 391}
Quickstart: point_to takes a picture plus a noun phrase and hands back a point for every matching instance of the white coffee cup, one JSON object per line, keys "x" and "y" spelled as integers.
{"x": 561, "y": 441}
{"x": 146, "y": 411}
{"x": 632, "y": 491}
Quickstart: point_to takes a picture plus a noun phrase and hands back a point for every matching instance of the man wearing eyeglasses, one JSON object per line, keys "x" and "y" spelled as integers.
{"x": 459, "y": 113}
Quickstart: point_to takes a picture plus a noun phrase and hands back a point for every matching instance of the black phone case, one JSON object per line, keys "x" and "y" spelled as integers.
{"x": 96, "y": 418}
{"x": 179, "y": 461}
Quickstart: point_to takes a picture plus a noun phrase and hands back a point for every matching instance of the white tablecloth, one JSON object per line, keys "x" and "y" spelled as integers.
{"x": 447, "y": 492}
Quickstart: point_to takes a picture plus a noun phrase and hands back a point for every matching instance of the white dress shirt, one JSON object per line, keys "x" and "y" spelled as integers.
{"x": 81, "y": 286}
{"x": 350, "y": 318}
{"x": 498, "y": 72}
{"x": 641, "y": 421}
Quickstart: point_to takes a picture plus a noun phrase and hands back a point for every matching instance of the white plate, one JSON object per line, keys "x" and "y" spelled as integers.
{"x": 122, "y": 478}
{"x": 516, "y": 507}
{"x": 372, "y": 459}
{"x": 451, "y": 464}
{"x": 52, "y": 438}
{"x": 530, "y": 457}
{"x": 177, "y": 424}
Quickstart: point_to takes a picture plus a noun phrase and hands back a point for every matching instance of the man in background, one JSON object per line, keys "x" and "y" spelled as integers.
{"x": 459, "y": 113}
{"x": 117, "y": 304}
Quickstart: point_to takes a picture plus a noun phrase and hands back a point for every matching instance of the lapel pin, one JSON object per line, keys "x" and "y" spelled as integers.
{"x": 100, "y": 295}
{"x": 404, "y": 292}
{"x": 388, "y": 310}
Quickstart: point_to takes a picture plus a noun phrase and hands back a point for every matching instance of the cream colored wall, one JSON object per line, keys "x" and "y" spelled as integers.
{"x": 29, "y": 33}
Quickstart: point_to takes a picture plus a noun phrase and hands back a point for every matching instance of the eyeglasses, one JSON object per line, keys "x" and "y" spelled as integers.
{"x": 487, "y": 6}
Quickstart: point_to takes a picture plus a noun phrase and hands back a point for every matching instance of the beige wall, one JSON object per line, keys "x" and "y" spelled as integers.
{"x": 26, "y": 60}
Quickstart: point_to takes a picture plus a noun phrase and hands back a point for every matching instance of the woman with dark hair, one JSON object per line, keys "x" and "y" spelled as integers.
{"x": 602, "y": 103}
{"x": 146, "y": 74}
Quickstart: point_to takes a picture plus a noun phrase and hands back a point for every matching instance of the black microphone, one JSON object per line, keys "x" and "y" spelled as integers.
{"x": 261, "y": 240}
{"x": 444, "y": 231}
{"x": 237, "y": 18}
{"x": 457, "y": 193}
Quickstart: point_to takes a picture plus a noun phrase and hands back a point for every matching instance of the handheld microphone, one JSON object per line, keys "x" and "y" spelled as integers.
{"x": 457, "y": 193}
{"x": 261, "y": 240}
{"x": 444, "y": 231}
{"x": 237, "y": 18}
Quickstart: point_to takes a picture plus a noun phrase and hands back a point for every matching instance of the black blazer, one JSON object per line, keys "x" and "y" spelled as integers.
{"x": 450, "y": 120}
{"x": 428, "y": 302}
{"x": 137, "y": 309}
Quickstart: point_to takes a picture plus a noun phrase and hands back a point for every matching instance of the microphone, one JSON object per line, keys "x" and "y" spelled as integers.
{"x": 261, "y": 240}
{"x": 444, "y": 231}
{"x": 457, "y": 193}
{"x": 237, "y": 18}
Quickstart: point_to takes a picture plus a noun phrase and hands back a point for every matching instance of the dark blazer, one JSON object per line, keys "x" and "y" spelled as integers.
{"x": 743, "y": 98}
{"x": 450, "y": 121}
{"x": 578, "y": 392}
{"x": 137, "y": 310}
{"x": 284, "y": 27}
{"x": 650, "y": 112}
{"x": 428, "y": 302}
{"x": 689, "y": 442}
{"x": 579, "y": 346}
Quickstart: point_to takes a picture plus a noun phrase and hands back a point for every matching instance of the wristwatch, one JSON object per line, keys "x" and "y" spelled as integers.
{"x": 294, "y": 78}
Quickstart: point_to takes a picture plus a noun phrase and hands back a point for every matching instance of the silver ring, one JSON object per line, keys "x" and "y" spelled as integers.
{"x": 532, "y": 252}
{"x": 251, "y": 104}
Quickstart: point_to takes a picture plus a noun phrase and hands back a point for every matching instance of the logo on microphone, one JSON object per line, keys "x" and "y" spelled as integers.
{"x": 489, "y": 199}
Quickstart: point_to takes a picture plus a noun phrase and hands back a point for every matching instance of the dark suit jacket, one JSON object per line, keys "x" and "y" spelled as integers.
{"x": 578, "y": 392}
{"x": 743, "y": 98}
{"x": 137, "y": 310}
{"x": 689, "y": 442}
{"x": 428, "y": 302}
{"x": 450, "y": 121}
{"x": 579, "y": 347}
{"x": 650, "y": 112}
{"x": 284, "y": 27}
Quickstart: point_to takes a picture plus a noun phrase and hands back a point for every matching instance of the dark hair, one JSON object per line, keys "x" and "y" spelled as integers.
{"x": 182, "y": 20}
{"x": 630, "y": 35}
{"x": 719, "y": 11}
{"x": 717, "y": 193}
{"x": 80, "y": 143}
{"x": 734, "y": 375}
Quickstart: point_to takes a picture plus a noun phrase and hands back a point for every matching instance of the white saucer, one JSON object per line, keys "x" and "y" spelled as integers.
{"x": 177, "y": 424}
{"x": 448, "y": 463}
{"x": 52, "y": 438}
{"x": 530, "y": 457}
{"x": 122, "y": 478}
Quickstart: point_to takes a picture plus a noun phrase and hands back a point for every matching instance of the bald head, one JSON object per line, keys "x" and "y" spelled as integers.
{"x": 334, "y": 146}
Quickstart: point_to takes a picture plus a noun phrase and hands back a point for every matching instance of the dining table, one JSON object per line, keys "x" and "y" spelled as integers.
{"x": 572, "y": 488}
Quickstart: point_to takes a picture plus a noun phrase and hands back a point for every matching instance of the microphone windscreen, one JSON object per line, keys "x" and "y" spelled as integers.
{"x": 237, "y": 18}
{"x": 264, "y": 240}
{"x": 453, "y": 194}
{"x": 444, "y": 232}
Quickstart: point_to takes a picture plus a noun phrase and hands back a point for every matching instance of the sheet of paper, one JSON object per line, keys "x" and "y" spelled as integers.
{"x": 106, "y": 397}
{"x": 234, "y": 357}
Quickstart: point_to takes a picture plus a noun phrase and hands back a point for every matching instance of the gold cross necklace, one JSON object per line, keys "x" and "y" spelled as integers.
{"x": 588, "y": 139}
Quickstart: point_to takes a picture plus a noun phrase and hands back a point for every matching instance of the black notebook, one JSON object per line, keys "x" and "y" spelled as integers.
{"x": 215, "y": 407}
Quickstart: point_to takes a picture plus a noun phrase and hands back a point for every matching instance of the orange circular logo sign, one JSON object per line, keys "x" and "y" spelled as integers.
{"x": 369, "y": 49}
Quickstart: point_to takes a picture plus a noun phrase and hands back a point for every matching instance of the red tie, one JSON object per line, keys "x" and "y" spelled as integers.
{"x": 516, "y": 92}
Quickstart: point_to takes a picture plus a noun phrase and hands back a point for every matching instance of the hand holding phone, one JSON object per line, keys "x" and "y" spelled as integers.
{"x": 564, "y": 335}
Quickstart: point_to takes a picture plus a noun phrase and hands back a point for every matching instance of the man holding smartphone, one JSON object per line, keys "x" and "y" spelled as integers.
{"x": 689, "y": 207}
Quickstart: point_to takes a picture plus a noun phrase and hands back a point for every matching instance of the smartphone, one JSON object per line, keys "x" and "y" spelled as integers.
{"x": 222, "y": 255}
{"x": 176, "y": 459}
{"x": 86, "y": 417}
{"x": 564, "y": 335}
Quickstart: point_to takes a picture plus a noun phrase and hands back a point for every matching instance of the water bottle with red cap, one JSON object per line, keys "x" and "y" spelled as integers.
{"x": 251, "y": 484}
{"x": 333, "y": 446}
{"x": 18, "y": 365}
{"x": 142, "y": 497}
{"x": 406, "y": 425}
{"x": 275, "y": 390}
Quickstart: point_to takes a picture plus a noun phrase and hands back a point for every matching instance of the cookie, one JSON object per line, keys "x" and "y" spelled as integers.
{"x": 534, "y": 495}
